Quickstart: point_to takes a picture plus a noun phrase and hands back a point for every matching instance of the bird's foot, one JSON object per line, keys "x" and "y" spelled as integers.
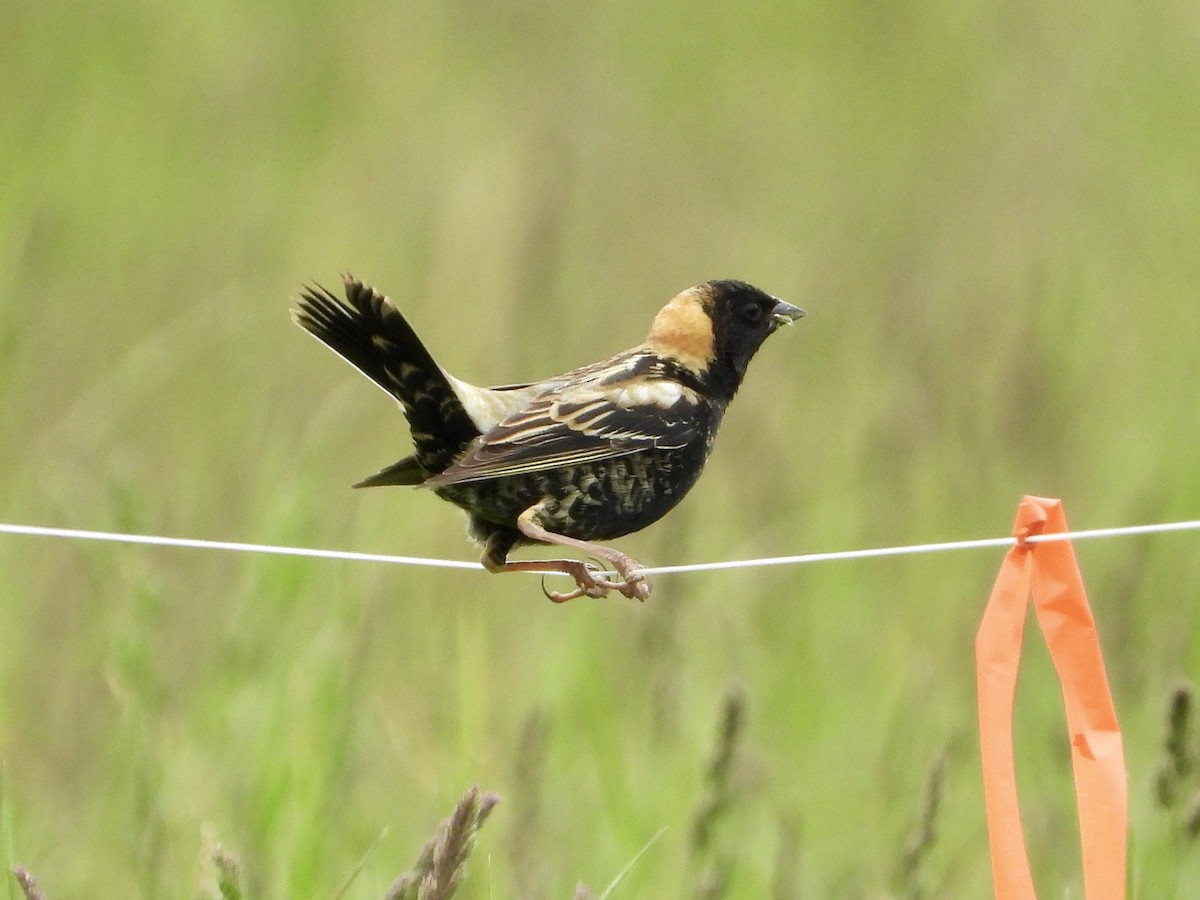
{"x": 633, "y": 583}
{"x": 591, "y": 582}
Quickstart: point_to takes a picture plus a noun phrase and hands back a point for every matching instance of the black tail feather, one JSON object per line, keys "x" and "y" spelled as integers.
{"x": 405, "y": 472}
{"x": 372, "y": 335}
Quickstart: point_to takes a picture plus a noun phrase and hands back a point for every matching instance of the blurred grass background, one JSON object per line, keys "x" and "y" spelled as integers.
{"x": 990, "y": 214}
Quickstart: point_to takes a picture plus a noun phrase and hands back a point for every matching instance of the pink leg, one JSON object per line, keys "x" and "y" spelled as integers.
{"x": 589, "y": 582}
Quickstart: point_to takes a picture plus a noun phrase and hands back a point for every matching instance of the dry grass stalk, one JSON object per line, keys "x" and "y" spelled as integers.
{"x": 229, "y": 874}
{"x": 441, "y": 865}
{"x": 921, "y": 838}
{"x": 219, "y": 872}
{"x": 720, "y": 770}
{"x": 28, "y": 884}
{"x": 1177, "y": 761}
{"x": 715, "y": 875}
{"x": 1191, "y": 823}
{"x": 714, "y": 880}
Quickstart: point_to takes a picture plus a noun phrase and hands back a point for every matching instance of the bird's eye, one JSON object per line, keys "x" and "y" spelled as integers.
{"x": 752, "y": 312}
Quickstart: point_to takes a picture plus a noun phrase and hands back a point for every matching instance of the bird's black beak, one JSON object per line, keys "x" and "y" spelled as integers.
{"x": 784, "y": 313}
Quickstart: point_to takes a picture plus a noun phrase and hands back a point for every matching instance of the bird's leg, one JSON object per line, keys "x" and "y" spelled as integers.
{"x": 496, "y": 548}
{"x": 589, "y": 581}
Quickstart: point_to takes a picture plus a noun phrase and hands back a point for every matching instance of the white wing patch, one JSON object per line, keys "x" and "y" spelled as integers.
{"x": 657, "y": 392}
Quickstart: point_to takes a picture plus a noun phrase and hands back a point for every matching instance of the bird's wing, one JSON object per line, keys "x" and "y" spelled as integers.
{"x": 578, "y": 423}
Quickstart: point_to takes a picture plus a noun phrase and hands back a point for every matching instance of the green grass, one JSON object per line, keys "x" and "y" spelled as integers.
{"x": 989, "y": 215}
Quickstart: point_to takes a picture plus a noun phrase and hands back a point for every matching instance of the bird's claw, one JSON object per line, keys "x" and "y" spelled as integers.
{"x": 590, "y": 582}
{"x": 633, "y": 583}
{"x": 596, "y": 588}
{"x": 635, "y": 586}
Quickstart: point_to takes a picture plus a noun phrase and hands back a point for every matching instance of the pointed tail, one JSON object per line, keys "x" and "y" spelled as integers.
{"x": 371, "y": 334}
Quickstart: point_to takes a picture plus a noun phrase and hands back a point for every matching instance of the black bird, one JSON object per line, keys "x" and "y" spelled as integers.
{"x": 594, "y": 454}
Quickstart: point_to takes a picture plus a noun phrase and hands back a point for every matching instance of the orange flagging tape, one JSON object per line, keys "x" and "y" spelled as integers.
{"x": 1048, "y": 571}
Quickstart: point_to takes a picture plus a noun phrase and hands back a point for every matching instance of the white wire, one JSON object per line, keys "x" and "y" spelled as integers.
{"x": 923, "y": 548}
{"x": 241, "y": 547}
{"x": 236, "y": 546}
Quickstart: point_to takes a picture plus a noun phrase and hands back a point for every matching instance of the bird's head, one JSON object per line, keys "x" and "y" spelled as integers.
{"x": 715, "y": 328}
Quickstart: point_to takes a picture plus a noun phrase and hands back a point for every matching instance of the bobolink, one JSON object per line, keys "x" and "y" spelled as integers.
{"x": 594, "y": 454}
